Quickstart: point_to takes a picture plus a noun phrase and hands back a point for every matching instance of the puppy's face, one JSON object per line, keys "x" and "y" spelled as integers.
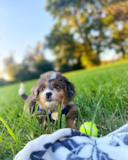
{"x": 53, "y": 89}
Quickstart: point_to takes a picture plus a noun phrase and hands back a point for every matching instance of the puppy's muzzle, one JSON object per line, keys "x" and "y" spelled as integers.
{"x": 48, "y": 95}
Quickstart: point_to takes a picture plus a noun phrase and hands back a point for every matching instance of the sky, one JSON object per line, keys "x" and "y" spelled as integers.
{"x": 22, "y": 24}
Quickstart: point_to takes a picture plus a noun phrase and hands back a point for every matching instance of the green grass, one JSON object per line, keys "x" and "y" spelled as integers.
{"x": 101, "y": 96}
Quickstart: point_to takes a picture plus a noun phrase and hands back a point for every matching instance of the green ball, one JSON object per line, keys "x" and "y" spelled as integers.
{"x": 86, "y": 128}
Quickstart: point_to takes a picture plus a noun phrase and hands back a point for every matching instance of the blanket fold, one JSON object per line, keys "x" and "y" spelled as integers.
{"x": 69, "y": 144}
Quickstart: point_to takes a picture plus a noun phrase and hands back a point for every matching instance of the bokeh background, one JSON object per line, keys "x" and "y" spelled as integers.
{"x": 60, "y": 35}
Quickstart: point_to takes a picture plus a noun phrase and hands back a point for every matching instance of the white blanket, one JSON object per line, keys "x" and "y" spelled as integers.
{"x": 69, "y": 144}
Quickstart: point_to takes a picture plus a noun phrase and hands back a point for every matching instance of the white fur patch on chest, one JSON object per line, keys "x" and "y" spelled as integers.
{"x": 53, "y": 76}
{"x": 51, "y": 105}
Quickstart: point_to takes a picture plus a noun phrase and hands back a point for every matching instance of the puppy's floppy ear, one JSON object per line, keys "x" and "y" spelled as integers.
{"x": 34, "y": 96}
{"x": 41, "y": 75}
{"x": 70, "y": 92}
{"x": 35, "y": 91}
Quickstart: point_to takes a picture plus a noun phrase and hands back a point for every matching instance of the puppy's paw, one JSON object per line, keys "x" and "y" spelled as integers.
{"x": 39, "y": 113}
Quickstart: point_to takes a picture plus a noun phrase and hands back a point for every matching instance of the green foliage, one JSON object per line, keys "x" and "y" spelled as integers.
{"x": 101, "y": 96}
{"x": 24, "y": 73}
{"x": 82, "y": 26}
{"x": 62, "y": 44}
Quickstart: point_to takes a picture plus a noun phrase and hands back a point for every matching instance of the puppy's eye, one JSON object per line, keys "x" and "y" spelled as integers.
{"x": 56, "y": 86}
{"x": 43, "y": 88}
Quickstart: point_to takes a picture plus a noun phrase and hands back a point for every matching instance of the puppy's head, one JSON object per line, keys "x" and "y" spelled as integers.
{"x": 53, "y": 89}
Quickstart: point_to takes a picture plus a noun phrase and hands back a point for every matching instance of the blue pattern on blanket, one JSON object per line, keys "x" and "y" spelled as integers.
{"x": 75, "y": 148}
{"x": 125, "y": 139}
{"x": 37, "y": 155}
{"x": 77, "y": 133}
{"x": 68, "y": 144}
{"x": 72, "y": 145}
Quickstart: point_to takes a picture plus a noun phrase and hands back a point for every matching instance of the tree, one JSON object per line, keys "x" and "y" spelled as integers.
{"x": 119, "y": 25}
{"x": 10, "y": 66}
{"x": 62, "y": 44}
{"x": 33, "y": 65}
{"x": 32, "y": 57}
{"x": 89, "y": 21}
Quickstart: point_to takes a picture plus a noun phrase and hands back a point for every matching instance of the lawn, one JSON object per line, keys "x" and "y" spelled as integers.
{"x": 101, "y": 96}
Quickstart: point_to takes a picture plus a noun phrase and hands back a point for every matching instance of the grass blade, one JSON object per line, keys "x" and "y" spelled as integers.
{"x": 10, "y": 132}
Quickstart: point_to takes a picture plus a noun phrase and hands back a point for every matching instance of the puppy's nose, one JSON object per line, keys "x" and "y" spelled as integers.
{"x": 48, "y": 94}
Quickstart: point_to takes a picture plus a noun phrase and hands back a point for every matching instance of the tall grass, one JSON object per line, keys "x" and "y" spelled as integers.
{"x": 101, "y": 97}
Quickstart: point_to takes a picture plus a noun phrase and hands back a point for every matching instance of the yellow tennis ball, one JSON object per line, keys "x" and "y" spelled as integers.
{"x": 86, "y": 128}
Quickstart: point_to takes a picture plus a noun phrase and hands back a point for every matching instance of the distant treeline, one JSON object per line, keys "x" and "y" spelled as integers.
{"x": 33, "y": 65}
{"x": 4, "y": 82}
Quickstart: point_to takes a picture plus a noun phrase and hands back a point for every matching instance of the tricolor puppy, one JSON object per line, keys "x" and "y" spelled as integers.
{"x": 51, "y": 91}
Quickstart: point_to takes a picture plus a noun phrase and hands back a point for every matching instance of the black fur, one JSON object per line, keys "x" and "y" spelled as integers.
{"x": 70, "y": 92}
{"x": 24, "y": 96}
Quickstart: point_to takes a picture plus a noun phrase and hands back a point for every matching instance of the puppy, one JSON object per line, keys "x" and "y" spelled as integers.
{"x": 51, "y": 91}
